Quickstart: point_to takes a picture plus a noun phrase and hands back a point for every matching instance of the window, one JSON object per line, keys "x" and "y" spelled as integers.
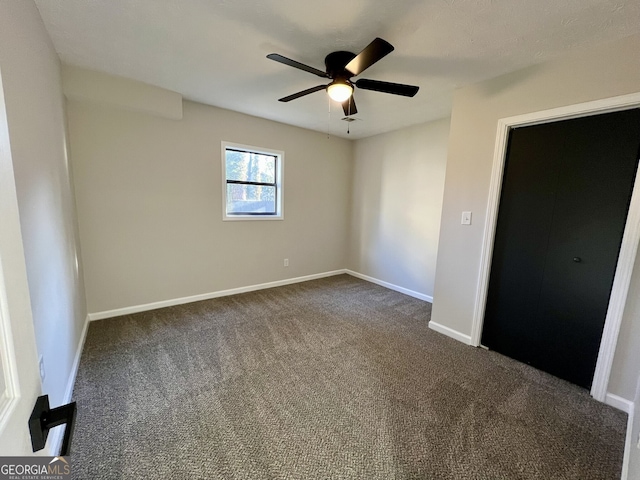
{"x": 252, "y": 188}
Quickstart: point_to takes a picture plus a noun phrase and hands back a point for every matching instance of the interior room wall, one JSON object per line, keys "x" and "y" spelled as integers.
{"x": 601, "y": 72}
{"x": 150, "y": 204}
{"x": 397, "y": 189}
{"x": 626, "y": 363}
{"x": 36, "y": 120}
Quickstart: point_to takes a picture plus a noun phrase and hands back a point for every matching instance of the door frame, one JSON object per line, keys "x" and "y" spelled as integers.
{"x": 18, "y": 352}
{"x": 628, "y": 248}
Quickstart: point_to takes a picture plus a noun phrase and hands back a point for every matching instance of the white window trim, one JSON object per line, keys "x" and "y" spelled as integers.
{"x": 279, "y": 182}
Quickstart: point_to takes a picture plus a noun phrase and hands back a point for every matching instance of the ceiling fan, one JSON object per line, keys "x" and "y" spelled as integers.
{"x": 340, "y": 67}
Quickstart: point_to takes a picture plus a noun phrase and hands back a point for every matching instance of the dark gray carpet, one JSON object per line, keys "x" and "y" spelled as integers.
{"x": 334, "y": 378}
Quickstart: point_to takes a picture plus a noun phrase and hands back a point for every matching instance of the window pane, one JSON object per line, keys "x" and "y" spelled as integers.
{"x": 250, "y": 167}
{"x": 251, "y": 199}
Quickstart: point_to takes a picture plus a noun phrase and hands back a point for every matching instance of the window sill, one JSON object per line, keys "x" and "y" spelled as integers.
{"x": 241, "y": 218}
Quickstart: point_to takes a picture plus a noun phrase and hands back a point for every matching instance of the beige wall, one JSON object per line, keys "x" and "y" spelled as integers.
{"x": 607, "y": 71}
{"x": 626, "y": 363}
{"x": 150, "y": 204}
{"x": 397, "y": 192}
{"x": 36, "y": 120}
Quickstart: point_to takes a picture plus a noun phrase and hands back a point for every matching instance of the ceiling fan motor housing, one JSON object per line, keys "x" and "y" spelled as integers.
{"x": 335, "y": 63}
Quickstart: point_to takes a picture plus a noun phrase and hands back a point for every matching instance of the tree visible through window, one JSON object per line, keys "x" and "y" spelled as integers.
{"x": 252, "y": 182}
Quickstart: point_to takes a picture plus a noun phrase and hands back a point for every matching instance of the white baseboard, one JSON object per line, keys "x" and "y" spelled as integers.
{"x": 56, "y": 435}
{"x": 233, "y": 291}
{"x": 626, "y": 406}
{"x": 618, "y": 402}
{"x": 628, "y": 445}
{"x": 391, "y": 286}
{"x": 450, "y": 332}
{"x": 207, "y": 296}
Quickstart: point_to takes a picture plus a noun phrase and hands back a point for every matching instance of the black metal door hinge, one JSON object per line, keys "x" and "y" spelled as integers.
{"x": 43, "y": 418}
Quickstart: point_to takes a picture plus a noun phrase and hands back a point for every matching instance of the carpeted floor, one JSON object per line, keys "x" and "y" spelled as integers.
{"x": 329, "y": 379}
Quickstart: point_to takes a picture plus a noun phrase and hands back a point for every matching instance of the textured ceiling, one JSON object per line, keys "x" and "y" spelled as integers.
{"x": 213, "y": 51}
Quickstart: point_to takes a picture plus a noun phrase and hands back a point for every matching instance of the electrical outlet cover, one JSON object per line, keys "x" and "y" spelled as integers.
{"x": 41, "y": 367}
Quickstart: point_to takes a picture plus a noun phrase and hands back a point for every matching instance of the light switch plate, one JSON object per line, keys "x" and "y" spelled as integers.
{"x": 466, "y": 218}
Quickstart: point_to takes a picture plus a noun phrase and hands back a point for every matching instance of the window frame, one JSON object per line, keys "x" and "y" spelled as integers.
{"x": 279, "y": 182}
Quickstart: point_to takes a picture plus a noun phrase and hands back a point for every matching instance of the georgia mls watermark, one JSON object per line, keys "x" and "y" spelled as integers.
{"x": 34, "y": 468}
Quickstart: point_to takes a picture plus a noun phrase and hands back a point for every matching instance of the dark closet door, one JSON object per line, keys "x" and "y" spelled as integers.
{"x": 565, "y": 195}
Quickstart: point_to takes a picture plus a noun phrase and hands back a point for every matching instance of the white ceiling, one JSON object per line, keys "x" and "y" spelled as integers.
{"x": 213, "y": 51}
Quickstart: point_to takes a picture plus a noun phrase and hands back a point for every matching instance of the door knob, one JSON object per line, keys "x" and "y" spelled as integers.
{"x": 577, "y": 259}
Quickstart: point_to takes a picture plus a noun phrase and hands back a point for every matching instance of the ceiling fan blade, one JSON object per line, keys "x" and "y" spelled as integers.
{"x": 349, "y": 107}
{"x": 292, "y": 63}
{"x": 387, "y": 87}
{"x": 370, "y": 55}
{"x": 302, "y": 93}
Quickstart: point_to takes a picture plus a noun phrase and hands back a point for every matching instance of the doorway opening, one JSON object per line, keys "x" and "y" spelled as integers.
{"x": 630, "y": 239}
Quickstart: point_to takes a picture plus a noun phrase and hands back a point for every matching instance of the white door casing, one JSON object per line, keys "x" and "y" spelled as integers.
{"x": 19, "y": 375}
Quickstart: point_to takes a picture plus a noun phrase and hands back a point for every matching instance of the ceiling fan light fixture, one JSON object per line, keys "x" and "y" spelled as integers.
{"x": 340, "y": 90}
